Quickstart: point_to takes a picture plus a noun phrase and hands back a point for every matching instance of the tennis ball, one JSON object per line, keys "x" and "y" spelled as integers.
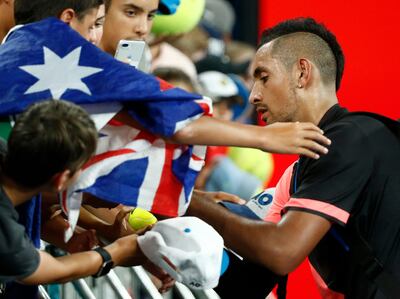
{"x": 187, "y": 16}
{"x": 253, "y": 161}
{"x": 139, "y": 218}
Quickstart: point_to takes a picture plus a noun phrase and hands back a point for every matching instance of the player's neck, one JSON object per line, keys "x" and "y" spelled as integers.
{"x": 314, "y": 105}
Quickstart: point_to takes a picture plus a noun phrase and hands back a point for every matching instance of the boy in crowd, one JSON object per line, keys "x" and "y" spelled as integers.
{"x": 80, "y": 15}
{"x": 39, "y": 159}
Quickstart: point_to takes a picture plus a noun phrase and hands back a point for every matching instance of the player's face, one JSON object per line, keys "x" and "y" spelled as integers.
{"x": 274, "y": 91}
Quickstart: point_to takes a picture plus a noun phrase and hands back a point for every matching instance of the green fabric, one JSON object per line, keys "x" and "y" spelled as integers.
{"x": 5, "y": 128}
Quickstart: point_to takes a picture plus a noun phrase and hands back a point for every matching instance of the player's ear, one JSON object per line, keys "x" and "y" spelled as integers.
{"x": 303, "y": 72}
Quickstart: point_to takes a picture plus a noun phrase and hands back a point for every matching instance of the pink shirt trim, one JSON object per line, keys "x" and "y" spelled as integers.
{"x": 281, "y": 196}
{"x": 319, "y": 206}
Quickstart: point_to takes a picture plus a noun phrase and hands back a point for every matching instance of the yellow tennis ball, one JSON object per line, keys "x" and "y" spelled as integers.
{"x": 187, "y": 16}
{"x": 139, "y": 218}
{"x": 253, "y": 161}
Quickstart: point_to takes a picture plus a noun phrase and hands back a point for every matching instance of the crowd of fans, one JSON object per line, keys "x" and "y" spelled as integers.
{"x": 189, "y": 44}
{"x": 191, "y": 48}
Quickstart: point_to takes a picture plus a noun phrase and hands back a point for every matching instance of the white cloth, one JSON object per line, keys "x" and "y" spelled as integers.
{"x": 192, "y": 246}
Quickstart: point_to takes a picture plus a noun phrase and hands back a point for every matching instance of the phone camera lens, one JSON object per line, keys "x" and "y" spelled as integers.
{"x": 125, "y": 45}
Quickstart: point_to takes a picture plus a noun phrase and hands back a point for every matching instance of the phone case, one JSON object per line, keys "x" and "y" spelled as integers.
{"x": 130, "y": 51}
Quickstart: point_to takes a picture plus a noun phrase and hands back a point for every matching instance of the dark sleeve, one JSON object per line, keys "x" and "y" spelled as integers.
{"x": 18, "y": 257}
{"x": 3, "y": 151}
{"x": 331, "y": 185}
{"x": 3, "y": 146}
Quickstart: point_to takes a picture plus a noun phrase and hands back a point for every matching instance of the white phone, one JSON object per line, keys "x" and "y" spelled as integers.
{"x": 131, "y": 52}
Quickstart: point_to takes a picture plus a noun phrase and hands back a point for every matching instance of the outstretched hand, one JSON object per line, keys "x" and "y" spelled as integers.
{"x": 219, "y": 196}
{"x": 295, "y": 138}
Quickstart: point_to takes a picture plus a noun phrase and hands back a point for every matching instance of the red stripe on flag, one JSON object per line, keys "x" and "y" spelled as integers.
{"x": 166, "y": 201}
{"x": 164, "y": 85}
{"x": 107, "y": 155}
{"x": 206, "y": 108}
{"x": 196, "y": 158}
{"x": 116, "y": 123}
{"x": 146, "y": 136}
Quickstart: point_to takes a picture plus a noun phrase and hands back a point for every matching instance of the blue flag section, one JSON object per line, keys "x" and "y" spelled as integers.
{"x": 48, "y": 59}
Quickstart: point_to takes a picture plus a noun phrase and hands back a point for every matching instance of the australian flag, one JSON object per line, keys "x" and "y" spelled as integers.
{"x": 133, "y": 111}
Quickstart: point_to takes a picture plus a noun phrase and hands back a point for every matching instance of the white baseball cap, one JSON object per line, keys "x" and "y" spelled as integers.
{"x": 187, "y": 248}
{"x": 216, "y": 85}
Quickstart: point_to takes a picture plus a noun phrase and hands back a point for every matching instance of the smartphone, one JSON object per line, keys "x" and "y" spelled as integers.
{"x": 131, "y": 52}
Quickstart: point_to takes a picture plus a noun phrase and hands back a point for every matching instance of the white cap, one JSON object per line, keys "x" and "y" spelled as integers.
{"x": 216, "y": 84}
{"x": 192, "y": 246}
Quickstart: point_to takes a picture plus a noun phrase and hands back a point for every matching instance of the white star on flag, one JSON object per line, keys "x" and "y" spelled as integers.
{"x": 59, "y": 74}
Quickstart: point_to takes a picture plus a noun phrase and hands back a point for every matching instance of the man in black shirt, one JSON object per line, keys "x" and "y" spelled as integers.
{"x": 47, "y": 148}
{"x": 342, "y": 210}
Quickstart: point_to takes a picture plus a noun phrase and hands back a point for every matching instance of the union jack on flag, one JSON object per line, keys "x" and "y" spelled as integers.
{"x": 137, "y": 168}
{"x": 133, "y": 164}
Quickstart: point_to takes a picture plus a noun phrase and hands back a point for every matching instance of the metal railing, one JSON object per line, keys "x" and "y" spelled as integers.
{"x": 140, "y": 285}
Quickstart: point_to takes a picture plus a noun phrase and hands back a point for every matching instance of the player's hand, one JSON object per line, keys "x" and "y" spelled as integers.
{"x": 295, "y": 138}
{"x": 219, "y": 196}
